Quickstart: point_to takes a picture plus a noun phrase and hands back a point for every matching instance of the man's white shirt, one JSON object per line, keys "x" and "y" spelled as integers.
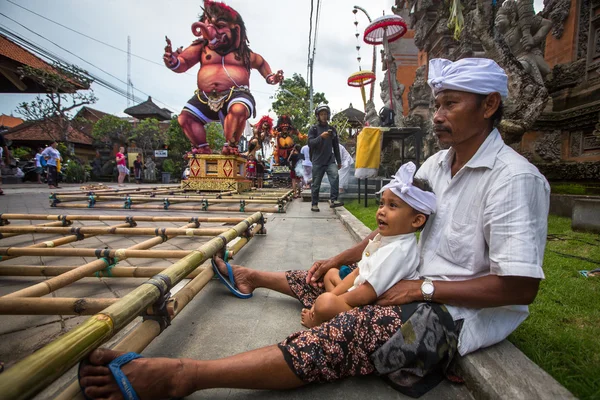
{"x": 491, "y": 219}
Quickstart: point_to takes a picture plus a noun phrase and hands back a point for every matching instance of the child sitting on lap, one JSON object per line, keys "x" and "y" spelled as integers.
{"x": 391, "y": 256}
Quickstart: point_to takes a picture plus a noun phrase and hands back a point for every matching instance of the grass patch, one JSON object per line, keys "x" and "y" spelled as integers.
{"x": 567, "y": 188}
{"x": 562, "y": 333}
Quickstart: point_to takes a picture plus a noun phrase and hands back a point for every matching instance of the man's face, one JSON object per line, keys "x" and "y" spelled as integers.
{"x": 323, "y": 116}
{"x": 54, "y": 145}
{"x": 459, "y": 116}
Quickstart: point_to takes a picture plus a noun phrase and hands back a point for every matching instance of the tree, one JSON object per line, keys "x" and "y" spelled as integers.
{"x": 63, "y": 85}
{"x": 148, "y": 135}
{"x": 215, "y": 136}
{"x": 293, "y": 99}
{"x": 111, "y": 129}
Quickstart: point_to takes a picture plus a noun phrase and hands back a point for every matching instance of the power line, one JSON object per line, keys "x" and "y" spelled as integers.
{"x": 75, "y": 55}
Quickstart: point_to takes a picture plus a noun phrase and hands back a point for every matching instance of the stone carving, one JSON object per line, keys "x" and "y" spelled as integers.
{"x": 371, "y": 116}
{"x": 397, "y": 90}
{"x": 557, "y": 11}
{"x": 584, "y": 29}
{"x": 576, "y": 143}
{"x": 548, "y": 147}
{"x": 419, "y": 93}
{"x": 571, "y": 171}
{"x": 566, "y": 75}
{"x": 524, "y": 34}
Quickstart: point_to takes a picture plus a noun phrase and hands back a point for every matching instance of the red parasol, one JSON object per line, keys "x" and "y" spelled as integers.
{"x": 390, "y": 27}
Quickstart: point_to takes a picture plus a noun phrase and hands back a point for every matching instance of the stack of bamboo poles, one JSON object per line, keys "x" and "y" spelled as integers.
{"x": 32, "y": 374}
{"x": 261, "y": 200}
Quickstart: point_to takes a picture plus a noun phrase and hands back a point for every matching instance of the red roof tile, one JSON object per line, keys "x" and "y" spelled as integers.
{"x": 9, "y": 121}
{"x": 34, "y": 132}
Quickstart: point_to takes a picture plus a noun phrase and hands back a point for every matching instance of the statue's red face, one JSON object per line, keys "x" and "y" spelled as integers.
{"x": 265, "y": 126}
{"x": 221, "y": 33}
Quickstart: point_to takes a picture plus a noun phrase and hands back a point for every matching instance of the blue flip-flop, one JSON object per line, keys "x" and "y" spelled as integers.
{"x": 229, "y": 281}
{"x": 115, "y": 368}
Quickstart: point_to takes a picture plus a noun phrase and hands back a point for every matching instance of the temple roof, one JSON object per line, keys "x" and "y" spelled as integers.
{"x": 39, "y": 131}
{"x": 9, "y": 121}
{"x": 354, "y": 116}
{"x": 148, "y": 109}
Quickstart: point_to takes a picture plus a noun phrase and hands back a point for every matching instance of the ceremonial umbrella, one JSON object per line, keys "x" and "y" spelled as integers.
{"x": 384, "y": 30}
{"x": 361, "y": 79}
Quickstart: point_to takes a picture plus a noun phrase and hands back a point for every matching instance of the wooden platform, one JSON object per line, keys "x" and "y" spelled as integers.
{"x": 214, "y": 172}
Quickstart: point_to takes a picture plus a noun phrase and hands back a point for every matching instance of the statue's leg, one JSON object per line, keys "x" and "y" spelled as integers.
{"x": 234, "y": 125}
{"x": 194, "y": 131}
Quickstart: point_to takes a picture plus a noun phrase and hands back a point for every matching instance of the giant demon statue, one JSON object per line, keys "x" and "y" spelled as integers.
{"x": 225, "y": 60}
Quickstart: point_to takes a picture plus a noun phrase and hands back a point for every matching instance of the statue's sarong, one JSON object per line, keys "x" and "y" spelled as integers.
{"x": 214, "y": 106}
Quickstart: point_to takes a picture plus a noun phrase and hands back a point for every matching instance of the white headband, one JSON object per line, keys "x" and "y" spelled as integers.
{"x": 473, "y": 75}
{"x": 401, "y": 185}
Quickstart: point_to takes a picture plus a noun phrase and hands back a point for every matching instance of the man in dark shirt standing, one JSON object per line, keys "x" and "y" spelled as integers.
{"x": 325, "y": 157}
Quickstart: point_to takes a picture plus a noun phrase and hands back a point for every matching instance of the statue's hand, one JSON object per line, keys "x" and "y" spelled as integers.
{"x": 169, "y": 58}
{"x": 527, "y": 42}
{"x": 278, "y": 77}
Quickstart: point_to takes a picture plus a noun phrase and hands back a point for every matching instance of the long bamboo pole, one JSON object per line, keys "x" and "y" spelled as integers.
{"x": 32, "y": 374}
{"x": 135, "y": 218}
{"x": 172, "y": 199}
{"x": 121, "y": 254}
{"x": 275, "y": 209}
{"x": 123, "y": 230}
{"x": 7, "y": 235}
{"x": 67, "y": 278}
{"x": 53, "y": 306}
{"x": 114, "y": 272}
{"x": 58, "y": 241}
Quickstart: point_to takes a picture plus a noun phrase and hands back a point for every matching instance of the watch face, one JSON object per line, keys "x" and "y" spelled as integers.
{"x": 427, "y": 288}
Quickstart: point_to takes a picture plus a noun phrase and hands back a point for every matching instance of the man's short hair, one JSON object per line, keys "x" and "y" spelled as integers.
{"x": 497, "y": 117}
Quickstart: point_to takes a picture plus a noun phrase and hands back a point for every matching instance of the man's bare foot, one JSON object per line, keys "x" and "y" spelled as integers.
{"x": 151, "y": 378}
{"x": 308, "y": 318}
{"x": 241, "y": 275}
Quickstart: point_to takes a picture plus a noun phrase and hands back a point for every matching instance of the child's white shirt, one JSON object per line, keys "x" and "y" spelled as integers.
{"x": 386, "y": 260}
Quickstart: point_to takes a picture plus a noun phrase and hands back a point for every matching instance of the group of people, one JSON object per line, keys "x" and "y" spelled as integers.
{"x": 407, "y": 308}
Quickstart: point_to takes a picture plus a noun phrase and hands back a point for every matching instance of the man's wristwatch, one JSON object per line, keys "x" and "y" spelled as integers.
{"x": 427, "y": 289}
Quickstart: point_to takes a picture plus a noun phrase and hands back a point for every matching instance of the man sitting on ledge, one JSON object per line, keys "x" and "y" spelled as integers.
{"x": 481, "y": 264}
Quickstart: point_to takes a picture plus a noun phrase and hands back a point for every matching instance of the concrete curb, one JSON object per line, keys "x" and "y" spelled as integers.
{"x": 498, "y": 372}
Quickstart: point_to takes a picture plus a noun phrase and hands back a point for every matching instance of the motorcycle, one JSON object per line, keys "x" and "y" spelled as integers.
{"x": 29, "y": 171}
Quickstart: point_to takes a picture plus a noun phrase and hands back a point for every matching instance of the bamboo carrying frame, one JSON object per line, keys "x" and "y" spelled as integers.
{"x": 151, "y": 300}
{"x": 172, "y": 198}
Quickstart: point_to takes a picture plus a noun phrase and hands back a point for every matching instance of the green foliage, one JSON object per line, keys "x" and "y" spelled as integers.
{"x": 111, "y": 129}
{"x": 168, "y": 166}
{"x": 293, "y": 99}
{"x": 148, "y": 136}
{"x": 215, "y": 136}
{"x": 341, "y": 123}
{"x": 567, "y": 188}
{"x": 65, "y": 91}
{"x": 562, "y": 331}
{"x": 22, "y": 153}
{"x": 74, "y": 172}
{"x": 176, "y": 140}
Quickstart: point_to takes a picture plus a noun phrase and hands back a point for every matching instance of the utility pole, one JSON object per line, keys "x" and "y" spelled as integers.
{"x": 312, "y": 63}
{"x": 129, "y": 84}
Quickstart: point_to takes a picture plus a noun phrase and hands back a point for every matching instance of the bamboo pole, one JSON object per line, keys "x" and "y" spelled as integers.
{"x": 53, "y": 306}
{"x": 172, "y": 199}
{"x": 67, "y": 278}
{"x": 58, "y": 241}
{"x": 135, "y": 218}
{"x": 275, "y": 209}
{"x": 7, "y": 235}
{"x": 30, "y": 375}
{"x": 123, "y": 229}
{"x": 121, "y": 254}
{"x": 114, "y": 272}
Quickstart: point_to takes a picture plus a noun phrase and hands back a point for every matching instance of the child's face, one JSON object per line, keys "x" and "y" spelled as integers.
{"x": 395, "y": 217}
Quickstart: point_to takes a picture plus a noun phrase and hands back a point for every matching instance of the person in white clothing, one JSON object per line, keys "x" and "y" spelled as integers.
{"x": 52, "y": 156}
{"x": 306, "y": 166}
{"x": 344, "y": 172}
{"x": 390, "y": 256}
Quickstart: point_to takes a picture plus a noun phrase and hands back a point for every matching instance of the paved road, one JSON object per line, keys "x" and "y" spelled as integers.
{"x": 215, "y": 324}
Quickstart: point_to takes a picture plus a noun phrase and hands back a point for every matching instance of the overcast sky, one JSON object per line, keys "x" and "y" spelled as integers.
{"x": 277, "y": 29}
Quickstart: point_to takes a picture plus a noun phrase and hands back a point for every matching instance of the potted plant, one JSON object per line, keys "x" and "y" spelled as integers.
{"x": 168, "y": 167}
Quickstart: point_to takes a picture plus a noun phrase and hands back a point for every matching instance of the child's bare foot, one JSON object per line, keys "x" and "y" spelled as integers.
{"x": 241, "y": 275}
{"x": 151, "y": 378}
{"x": 308, "y": 318}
